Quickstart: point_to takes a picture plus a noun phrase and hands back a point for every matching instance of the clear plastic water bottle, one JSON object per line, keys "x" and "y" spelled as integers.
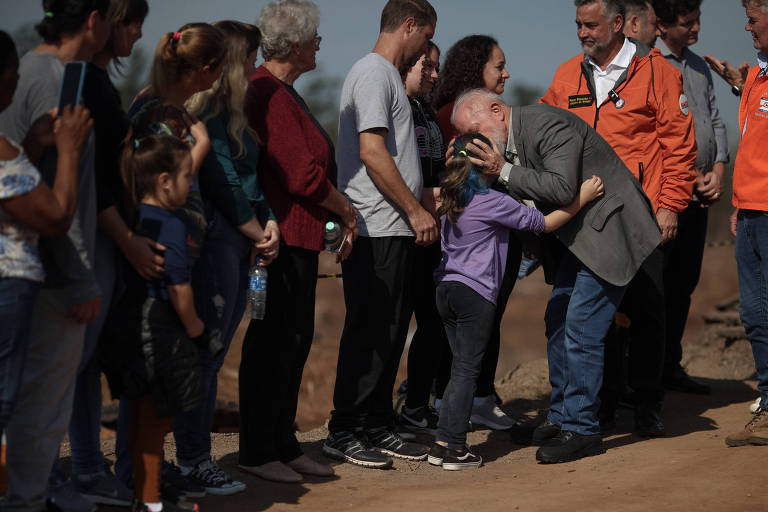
{"x": 332, "y": 235}
{"x": 257, "y": 290}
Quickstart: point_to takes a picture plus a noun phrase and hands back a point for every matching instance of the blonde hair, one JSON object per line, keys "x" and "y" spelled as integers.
{"x": 228, "y": 92}
{"x": 190, "y": 49}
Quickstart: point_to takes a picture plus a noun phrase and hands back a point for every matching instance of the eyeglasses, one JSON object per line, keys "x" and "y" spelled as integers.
{"x": 317, "y": 40}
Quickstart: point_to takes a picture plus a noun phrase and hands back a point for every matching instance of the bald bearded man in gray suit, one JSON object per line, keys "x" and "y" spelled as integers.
{"x": 544, "y": 153}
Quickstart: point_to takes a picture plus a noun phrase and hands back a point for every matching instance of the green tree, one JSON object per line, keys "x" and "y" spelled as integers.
{"x": 322, "y": 93}
{"x": 522, "y": 93}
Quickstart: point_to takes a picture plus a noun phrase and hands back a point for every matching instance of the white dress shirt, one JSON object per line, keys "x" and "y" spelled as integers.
{"x": 605, "y": 80}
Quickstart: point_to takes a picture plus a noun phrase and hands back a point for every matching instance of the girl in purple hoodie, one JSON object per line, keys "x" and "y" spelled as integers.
{"x": 474, "y": 238}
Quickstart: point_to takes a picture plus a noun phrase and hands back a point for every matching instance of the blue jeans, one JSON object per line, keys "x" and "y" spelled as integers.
{"x": 579, "y": 313}
{"x": 752, "y": 261}
{"x": 468, "y": 320}
{"x": 17, "y": 298}
{"x": 85, "y": 424}
{"x": 220, "y": 282}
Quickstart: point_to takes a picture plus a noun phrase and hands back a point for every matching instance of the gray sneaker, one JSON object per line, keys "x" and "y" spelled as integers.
{"x": 104, "y": 489}
{"x": 64, "y": 498}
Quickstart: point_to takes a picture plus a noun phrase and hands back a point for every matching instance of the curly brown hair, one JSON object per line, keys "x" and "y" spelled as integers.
{"x": 463, "y": 68}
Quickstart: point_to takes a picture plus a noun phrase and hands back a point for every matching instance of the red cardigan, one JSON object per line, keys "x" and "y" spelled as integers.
{"x": 294, "y": 167}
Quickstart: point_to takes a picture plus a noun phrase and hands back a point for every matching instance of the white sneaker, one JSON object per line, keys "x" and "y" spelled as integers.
{"x": 485, "y": 412}
{"x": 754, "y": 406}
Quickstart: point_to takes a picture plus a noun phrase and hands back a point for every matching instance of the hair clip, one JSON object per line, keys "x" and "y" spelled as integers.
{"x": 463, "y": 153}
{"x": 136, "y": 143}
{"x": 176, "y": 36}
{"x": 49, "y": 14}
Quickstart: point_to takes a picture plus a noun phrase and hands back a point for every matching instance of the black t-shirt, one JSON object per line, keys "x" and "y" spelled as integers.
{"x": 429, "y": 141}
{"x": 111, "y": 126}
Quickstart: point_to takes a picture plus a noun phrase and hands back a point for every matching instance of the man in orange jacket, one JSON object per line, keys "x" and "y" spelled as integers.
{"x": 750, "y": 220}
{"x": 634, "y": 99}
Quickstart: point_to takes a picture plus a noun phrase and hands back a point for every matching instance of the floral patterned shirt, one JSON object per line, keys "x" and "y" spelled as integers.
{"x": 18, "y": 245}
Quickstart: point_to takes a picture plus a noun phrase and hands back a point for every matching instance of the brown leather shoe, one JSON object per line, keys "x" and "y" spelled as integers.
{"x": 306, "y": 466}
{"x": 274, "y": 471}
{"x": 755, "y": 432}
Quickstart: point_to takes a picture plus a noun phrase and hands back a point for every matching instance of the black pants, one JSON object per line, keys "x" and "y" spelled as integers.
{"x": 274, "y": 352}
{"x": 682, "y": 269}
{"x": 377, "y": 293}
{"x": 643, "y": 344}
{"x": 468, "y": 319}
{"x": 429, "y": 344}
{"x": 485, "y": 385}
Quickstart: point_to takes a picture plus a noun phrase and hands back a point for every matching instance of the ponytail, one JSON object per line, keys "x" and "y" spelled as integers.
{"x": 146, "y": 158}
{"x": 65, "y": 17}
{"x": 190, "y": 49}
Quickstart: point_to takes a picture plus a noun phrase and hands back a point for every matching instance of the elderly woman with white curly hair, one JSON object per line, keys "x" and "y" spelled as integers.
{"x": 298, "y": 174}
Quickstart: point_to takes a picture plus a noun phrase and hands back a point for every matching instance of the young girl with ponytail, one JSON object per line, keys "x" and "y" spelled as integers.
{"x": 154, "y": 364}
{"x": 474, "y": 238}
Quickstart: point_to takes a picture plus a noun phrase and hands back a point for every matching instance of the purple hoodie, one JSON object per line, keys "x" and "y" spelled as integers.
{"x": 475, "y": 247}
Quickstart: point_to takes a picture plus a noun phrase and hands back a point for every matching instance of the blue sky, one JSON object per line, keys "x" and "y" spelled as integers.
{"x": 535, "y": 35}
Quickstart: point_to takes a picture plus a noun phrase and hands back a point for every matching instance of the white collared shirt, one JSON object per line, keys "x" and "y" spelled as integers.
{"x": 605, "y": 80}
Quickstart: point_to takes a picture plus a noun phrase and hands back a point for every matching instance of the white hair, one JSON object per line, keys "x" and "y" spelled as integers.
{"x": 285, "y": 22}
{"x": 762, "y": 3}
{"x": 475, "y": 96}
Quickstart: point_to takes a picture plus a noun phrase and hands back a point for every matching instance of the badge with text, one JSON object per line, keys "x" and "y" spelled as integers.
{"x": 684, "y": 104}
{"x": 580, "y": 100}
{"x": 763, "y": 104}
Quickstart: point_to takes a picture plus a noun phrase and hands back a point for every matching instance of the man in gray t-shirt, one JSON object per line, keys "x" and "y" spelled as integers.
{"x": 380, "y": 173}
{"x": 373, "y": 98}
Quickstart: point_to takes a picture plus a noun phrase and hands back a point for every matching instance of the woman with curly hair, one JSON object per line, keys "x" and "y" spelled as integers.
{"x": 472, "y": 62}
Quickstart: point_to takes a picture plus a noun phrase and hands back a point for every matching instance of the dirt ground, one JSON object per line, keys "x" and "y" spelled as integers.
{"x": 689, "y": 469}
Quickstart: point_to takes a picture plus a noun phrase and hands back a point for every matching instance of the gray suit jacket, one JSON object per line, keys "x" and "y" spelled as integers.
{"x": 614, "y": 234}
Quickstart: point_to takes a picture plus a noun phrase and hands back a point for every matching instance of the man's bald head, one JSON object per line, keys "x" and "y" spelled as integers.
{"x": 482, "y": 111}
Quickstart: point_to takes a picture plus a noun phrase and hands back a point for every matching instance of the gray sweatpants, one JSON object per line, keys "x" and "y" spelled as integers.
{"x": 44, "y": 407}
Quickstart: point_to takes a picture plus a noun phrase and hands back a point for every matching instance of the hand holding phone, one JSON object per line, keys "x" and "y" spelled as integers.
{"x": 71, "y": 91}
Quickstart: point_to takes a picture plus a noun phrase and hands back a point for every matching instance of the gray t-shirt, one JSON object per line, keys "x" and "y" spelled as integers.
{"x": 373, "y": 96}
{"x": 68, "y": 260}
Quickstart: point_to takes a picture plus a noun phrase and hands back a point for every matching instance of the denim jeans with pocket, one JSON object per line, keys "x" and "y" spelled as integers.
{"x": 579, "y": 313}
{"x": 17, "y": 298}
{"x": 752, "y": 261}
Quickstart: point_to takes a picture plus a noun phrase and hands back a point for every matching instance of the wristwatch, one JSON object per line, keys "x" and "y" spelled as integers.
{"x": 736, "y": 90}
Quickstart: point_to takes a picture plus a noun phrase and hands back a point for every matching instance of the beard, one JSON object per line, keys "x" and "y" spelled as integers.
{"x": 596, "y": 48}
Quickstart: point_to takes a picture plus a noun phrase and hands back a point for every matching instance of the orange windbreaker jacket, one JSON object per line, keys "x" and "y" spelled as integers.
{"x": 750, "y": 172}
{"x": 646, "y": 121}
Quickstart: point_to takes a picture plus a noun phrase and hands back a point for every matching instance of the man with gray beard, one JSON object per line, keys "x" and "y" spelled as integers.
{"x": 634, "y": 99}
{"x": 547, "y": 155}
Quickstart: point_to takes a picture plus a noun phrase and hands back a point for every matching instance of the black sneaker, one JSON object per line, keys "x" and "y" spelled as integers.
{"x": 544, "y": 433}
{"x": 568, "y": 446}
{"x": 521, "y": 434}
{"x": 214, "y": 480}
{"x": 456, "y": 460}
{"x": 392, "y": 444}
{"x": 355, "y": 448}
{"x": 186, "y": 487}
{"x": 422, "y": 419}
{"x": 436, "y": 454}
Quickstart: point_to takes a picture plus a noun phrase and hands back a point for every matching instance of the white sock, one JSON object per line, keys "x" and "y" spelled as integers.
{"x": 155, "y": 507}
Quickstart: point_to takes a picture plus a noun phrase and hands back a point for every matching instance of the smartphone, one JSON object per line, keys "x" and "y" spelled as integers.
{"x": 71, "y": 92}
